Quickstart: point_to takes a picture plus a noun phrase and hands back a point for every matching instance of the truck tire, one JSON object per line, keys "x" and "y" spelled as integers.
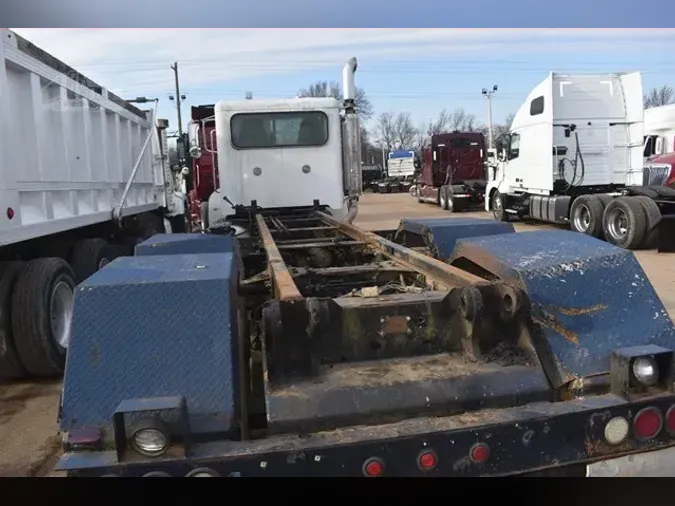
{"x": 88, "y": 256}
{"x": 443, "y": 200}
{"x": 653, "y": 218}
{"x": 42, "y": 309}
{"x": 11, "y": 367}
{"x": 586, "y": 215}
{"x": 624, "y": 222}
{"x": 497, "y": 206}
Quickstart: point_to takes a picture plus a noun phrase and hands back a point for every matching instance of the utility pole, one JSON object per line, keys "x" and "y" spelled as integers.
{"x": 384, "y": 157}
{"x": 488, "y": 94}
{"x": 178, "y": 98}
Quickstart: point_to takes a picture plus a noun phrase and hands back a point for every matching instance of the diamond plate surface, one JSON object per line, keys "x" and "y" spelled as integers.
{"x": 186, "y": 244}
{"x": 588, "y": 296}
{"x": 153, "y": 326}
{"x": 441, "y": 234}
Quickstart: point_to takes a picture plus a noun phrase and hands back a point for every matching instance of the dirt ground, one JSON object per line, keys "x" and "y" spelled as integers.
{"x": 30, "y": 445}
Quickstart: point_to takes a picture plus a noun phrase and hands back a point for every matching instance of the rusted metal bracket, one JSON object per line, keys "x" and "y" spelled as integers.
{"x": 282, "y": 281}
{"x": 431, "y": 268}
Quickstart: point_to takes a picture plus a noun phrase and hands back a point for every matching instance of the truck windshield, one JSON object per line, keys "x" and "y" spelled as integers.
{"x": 279, "y": 129}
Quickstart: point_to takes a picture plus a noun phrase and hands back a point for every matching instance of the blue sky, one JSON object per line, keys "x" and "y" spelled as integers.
{"x": 419, "y": 71}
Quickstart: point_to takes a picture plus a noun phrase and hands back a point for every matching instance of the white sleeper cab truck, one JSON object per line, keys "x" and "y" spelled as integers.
{"x": 659, "y": 131}
{"x": 287, "y": 153}
{"x": 576, "y": 145}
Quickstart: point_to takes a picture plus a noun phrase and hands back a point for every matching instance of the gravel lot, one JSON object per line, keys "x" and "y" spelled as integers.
{"x": 28, "y": 432}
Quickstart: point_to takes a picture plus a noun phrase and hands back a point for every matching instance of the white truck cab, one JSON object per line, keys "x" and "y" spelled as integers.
{"x": 287, "y": 153}
{"x": 574, "y": 134}
{"x": 659, "y": 131}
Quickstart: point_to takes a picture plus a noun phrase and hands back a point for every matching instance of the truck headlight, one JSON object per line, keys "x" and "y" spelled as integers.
{"x": 646, "y": 371}
{"x": 150, "y": 438}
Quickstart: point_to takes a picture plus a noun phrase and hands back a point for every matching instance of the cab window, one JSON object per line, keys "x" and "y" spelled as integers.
{"x": 514, "y": 147}
{"x": 279, "y": 129}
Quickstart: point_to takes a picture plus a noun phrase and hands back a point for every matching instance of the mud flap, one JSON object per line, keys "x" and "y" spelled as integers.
{"x": 666, "y": 234}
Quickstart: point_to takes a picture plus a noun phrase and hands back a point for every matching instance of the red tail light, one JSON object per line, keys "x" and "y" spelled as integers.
{"x": 427, "y": 460}
{"x": 670, "y": 421}
{"x": 479, "y": 453}
{"x": 373, "y": 467}
{"x": 647, "y": 423}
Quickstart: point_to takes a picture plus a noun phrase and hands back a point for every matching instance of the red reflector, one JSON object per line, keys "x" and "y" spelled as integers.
{"x": 10, "y": 213}
{"x": 373, "y": 467}
{"x": 647, "y": 423}
{"x": 427, "y": 460}
{"x": 670, "y": 420}
{"x": 479, "y": 453}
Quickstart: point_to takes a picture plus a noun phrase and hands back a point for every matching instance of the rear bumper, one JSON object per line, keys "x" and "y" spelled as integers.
{"x": 529, "y": 438}
{"x": 659, "y": 463}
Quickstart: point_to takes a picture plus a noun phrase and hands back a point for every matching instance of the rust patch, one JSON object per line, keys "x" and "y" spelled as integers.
{"x": 395, "y": 325}
{"x": 600, "y": 448}
{"x": 574, "y": 311}
{"x": 552, "y": 322}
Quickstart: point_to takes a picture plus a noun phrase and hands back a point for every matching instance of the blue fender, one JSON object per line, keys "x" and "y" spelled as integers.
{"x": 588, "y": 297}
{"x": 156, "y": 326}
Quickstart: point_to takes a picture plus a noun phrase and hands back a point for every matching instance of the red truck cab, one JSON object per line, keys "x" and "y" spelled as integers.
{"x": 204, "y": 168}
{"x": 660, "y": 170}
{"x": 453, "y": 170}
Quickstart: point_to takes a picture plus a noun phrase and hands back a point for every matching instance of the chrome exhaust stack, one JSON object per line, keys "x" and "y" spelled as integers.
{"x": 351, "y": 139}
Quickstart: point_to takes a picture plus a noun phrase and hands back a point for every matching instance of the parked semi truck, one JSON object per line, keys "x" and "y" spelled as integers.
{"x": 400, "y": 171}
{"x": 574, "y": 155}
{"x": 659, "y": 131}
{"x": 311, "y": 347}
{"x": 453, "y": 173}
{"x": 84, "y": 176}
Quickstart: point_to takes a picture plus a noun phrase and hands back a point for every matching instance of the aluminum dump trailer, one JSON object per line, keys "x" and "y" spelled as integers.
{"x": 84, "y": 176}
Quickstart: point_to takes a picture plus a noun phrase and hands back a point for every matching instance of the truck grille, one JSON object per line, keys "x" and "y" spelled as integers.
{"x": 655, "y": 175}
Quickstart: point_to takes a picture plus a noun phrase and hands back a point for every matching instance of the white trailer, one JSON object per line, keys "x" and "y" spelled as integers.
{"x": 84, "y": 174}
{"x": 574, "y": 145}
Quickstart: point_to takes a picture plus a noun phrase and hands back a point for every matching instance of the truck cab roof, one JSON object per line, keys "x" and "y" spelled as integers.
{"x": 288, "y": 104}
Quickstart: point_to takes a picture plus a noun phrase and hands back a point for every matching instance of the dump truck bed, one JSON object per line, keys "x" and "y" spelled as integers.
{"x": 68, "y": 147}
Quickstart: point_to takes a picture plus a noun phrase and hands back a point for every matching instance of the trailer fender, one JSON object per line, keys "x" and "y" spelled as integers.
{"x": 588, "y": 297}
{"x": 440, "y": 235}
{"x": 148, "y": 327}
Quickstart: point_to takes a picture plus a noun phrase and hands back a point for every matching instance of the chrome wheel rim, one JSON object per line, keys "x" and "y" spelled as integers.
{"x": 582, "y": 218}
{"x": 617, "y": 224}
{"x": 61, "y": 312}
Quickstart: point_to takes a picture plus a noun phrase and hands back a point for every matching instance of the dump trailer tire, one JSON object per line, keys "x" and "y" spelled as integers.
{"x": 653, "y": 218}
{"x": 89, "y": 256}
{"x": 11, "y": 367}
{"x": 624, "y": 222}
{"x": 42, "y": 309}
{"x": 586, "y": 215}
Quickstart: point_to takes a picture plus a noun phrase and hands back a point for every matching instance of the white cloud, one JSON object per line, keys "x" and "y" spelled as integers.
{"x": 136, "y": 61}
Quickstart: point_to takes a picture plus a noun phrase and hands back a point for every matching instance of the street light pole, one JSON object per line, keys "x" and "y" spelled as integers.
{"x": 488, "y": 94}
{"x": 179, "y": 97}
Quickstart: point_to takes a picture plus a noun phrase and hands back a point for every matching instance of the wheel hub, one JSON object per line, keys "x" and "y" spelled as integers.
{"x": 582, "y": 218}
{"x": 618, "y": 224}
{"x": 61, "y": 312}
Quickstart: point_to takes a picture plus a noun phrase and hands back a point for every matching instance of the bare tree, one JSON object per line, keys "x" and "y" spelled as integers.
{"x": 665, "y": 95}
{"x": 334, "y": 89}
{"x": 385, "y": 129}
{"x": 404, "y": 130}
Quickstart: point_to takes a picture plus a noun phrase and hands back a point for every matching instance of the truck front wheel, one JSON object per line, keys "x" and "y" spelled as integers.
{"x": 88, "y": 256}
{"x": 624, "y": 222}
{"x": 497, "y": 206}
{"x": 42, "y": 309}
